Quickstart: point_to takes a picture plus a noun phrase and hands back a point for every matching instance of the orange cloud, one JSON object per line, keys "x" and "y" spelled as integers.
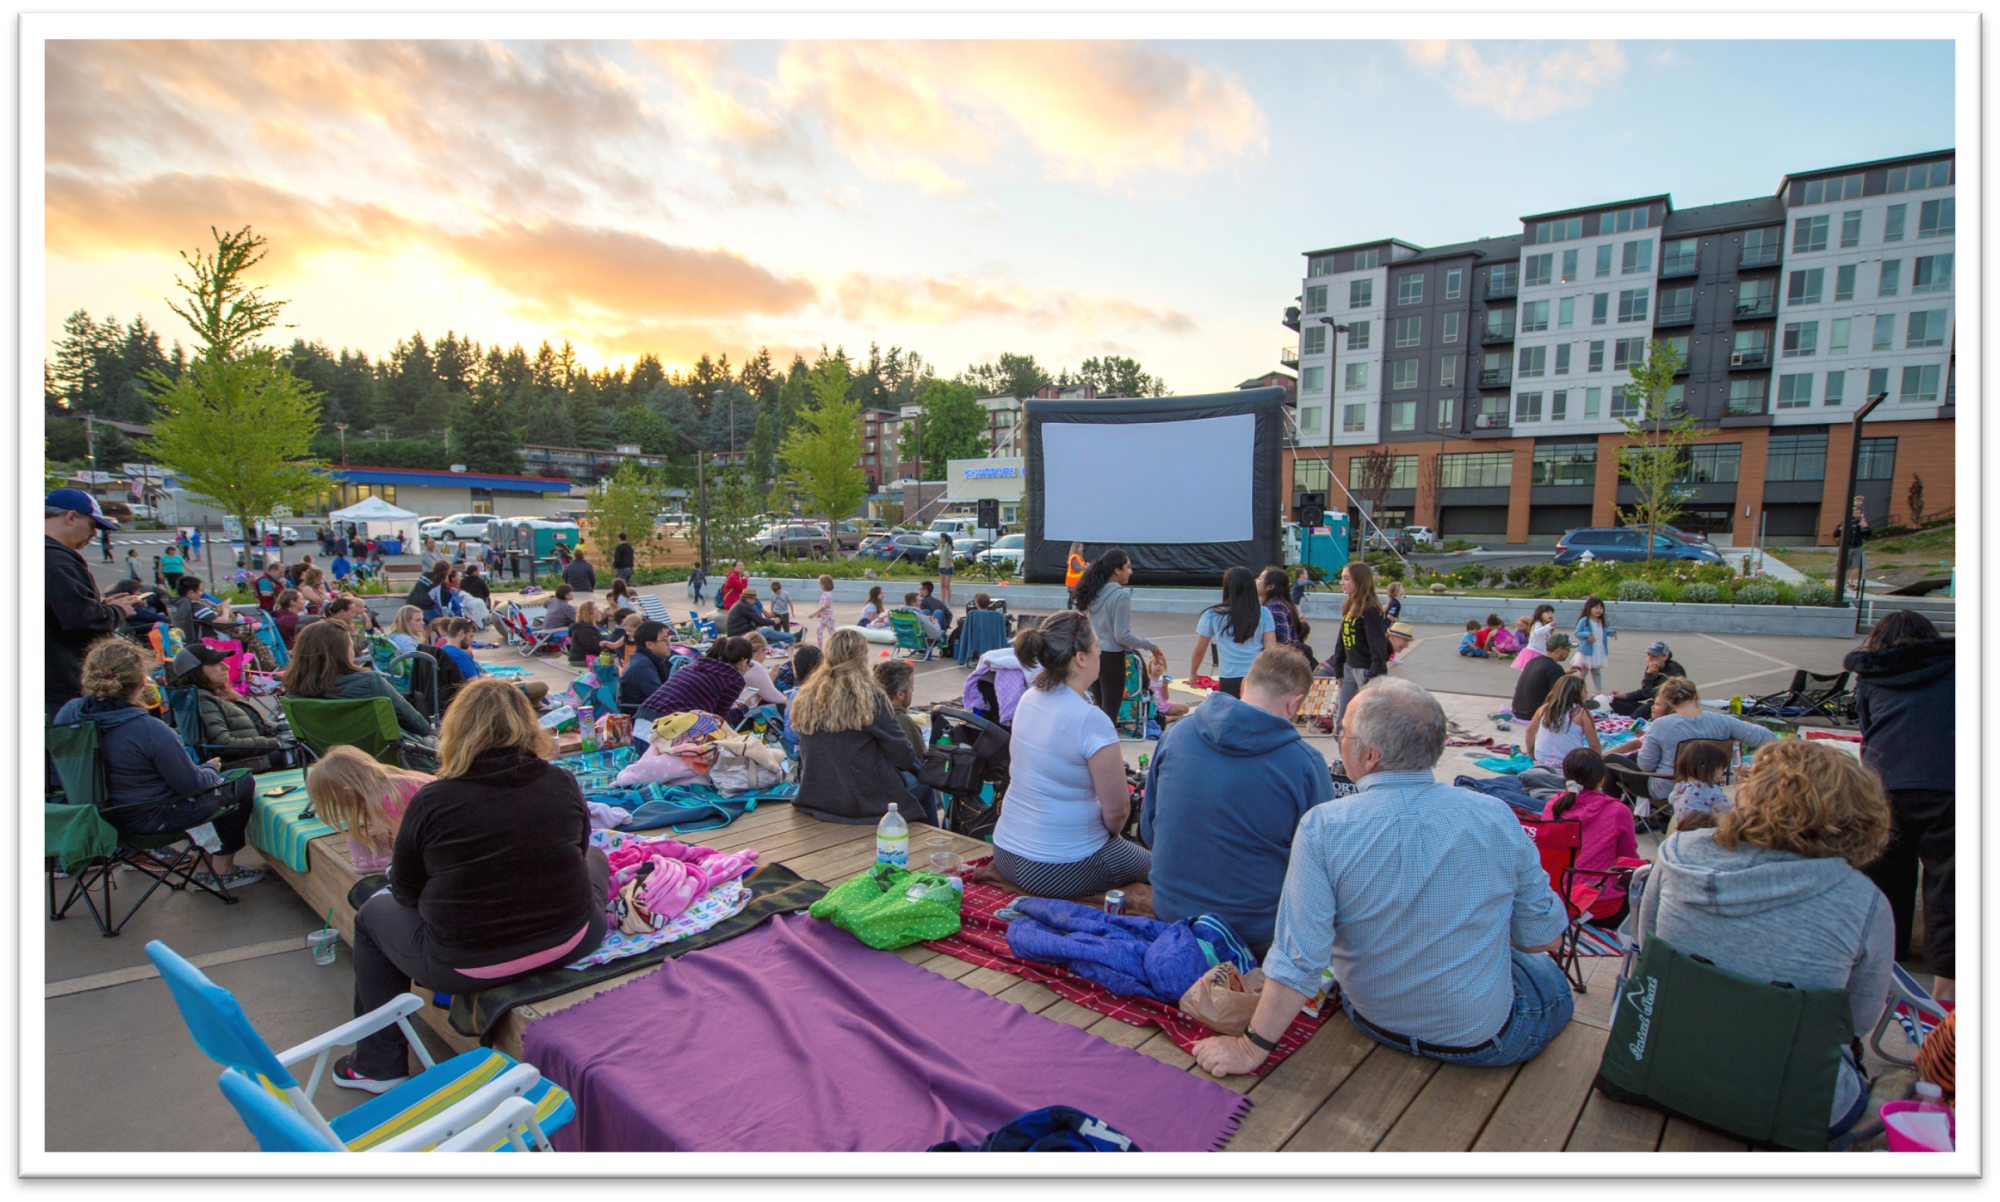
{"x": 925, "y": 300}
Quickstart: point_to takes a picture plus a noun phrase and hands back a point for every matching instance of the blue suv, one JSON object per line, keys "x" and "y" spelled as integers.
{"x": 1628, "y": 543}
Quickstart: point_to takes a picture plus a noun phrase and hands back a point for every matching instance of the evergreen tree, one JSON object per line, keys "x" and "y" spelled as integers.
{"x": 646, "y": 375}
{"x": 793, "y": 396}
{"x": 548, "y": 423}
{"x": 642, "y": 425}
{"x": 483, "y": 438}
{"x": 1117, "y": 374}
{"x": 759, "y": 378}
{"x": 764, "y": 445}
{"x": 1012, "y": 375}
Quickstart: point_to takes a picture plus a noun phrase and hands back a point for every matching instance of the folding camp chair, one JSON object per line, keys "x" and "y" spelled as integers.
{"x": 443, "y": 1101}
{"x": 75, "y": 749}
{"x": 1656, "y": 812}
{"x": 367, "y": 723}
{"x": 529, "y": 641}
{"x": 654, "y": 609}
{"x": 415, "y": 674}
{"x": 1557, "y": 842}
{"x": 1135, "y": 713}
{"x": 910, "y": 634}
{"x": 279, "y": 1128}
{"x": 1913, "y": 1008}
{"x": 272, "y": 637}
{"x": 702, "y": 628}
{"x": 983, "y": 630}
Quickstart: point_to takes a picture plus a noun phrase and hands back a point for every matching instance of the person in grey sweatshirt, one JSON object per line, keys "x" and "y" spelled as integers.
{"x": 1685, "y": 719}
{"x": 1775, "y": 892}
{"x": 1102, "y": 594}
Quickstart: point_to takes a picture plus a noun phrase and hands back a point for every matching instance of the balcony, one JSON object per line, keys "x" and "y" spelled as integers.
{"x": 1489, "y": 425}
{"x": 1291, "y": 319}
{"x": 1754, "y": 406}
{"x": 1502, "y": 289}
{"x": 1757, "y": 256}
{"x": 1288, "y": 356}
{"x": 1497, "y": 333}
{"x": 1499, "y": 377}
{"x": 1750, "y": 359}
{"x": 1680, "y": 315}
{"x": 1674, "y": 267}
{"x": 1751, "y": 310}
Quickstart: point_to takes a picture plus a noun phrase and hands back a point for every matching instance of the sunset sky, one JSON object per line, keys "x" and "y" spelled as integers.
{"x": 960, "y": 199}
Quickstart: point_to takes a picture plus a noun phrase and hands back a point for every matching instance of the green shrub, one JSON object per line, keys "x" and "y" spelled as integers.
{"x": 1700, "y": 592}
{"x": 1755, "y": 593}
{"x": 1521, "y": 575}
{"x": 1812, "y": 592}
{"x": 1637, "y": 590}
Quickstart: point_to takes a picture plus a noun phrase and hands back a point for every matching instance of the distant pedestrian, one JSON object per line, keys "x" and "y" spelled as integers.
{"x": 104, "y": 541}
{"x": 1857, "y": 534}
{"x": 696, "y": 580}
{"x": 622, "y": 560}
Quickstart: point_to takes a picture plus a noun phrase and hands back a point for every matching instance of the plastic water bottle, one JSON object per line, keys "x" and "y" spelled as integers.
{"x": 892, "y": 839}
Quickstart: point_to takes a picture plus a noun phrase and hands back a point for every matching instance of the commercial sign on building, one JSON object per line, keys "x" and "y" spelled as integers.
{"x": 977, "y": 479}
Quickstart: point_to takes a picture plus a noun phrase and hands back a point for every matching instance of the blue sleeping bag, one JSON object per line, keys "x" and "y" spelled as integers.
{"x": 1129, "y": 955}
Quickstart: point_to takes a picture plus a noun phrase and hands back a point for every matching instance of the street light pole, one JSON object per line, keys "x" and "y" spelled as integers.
{"x": 342, "y": 427}
{"x": 1846, "y": 528}
{"x": 1333, "y": 333}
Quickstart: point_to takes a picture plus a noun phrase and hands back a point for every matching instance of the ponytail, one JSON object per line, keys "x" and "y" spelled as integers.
{"x": 1054, "y": 645}
{"x": 1583, "y": 769}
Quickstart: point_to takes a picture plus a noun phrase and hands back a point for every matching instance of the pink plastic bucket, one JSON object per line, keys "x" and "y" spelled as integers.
{"x": 1901, "y": 1140}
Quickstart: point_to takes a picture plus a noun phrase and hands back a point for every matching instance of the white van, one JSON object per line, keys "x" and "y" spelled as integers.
{"x": 966, "y": 537}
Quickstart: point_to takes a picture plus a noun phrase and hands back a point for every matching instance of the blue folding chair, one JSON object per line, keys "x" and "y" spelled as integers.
{"x": 279, "y": 1128}
{"x": 443, "y": 1101}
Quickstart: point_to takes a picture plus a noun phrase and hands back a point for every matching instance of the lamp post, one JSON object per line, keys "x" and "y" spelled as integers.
{"x": 1846, "y": 527}
{"x": 342, "y": 427}
{"x": 1333, "y": 333}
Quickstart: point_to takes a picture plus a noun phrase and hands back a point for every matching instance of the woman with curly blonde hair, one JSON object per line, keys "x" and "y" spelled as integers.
{"x": 1775, "y": 890}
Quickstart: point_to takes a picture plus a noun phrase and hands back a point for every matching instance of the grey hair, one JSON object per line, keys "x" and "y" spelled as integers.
{"x": 54, "y": 511}
{"x": 1402, "y": 722}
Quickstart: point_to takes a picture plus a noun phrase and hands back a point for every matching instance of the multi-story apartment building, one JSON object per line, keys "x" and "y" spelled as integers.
{"x": 1494, "y": 371}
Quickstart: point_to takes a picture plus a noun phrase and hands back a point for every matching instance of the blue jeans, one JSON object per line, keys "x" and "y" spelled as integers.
{"x": 1542, "y": 1008}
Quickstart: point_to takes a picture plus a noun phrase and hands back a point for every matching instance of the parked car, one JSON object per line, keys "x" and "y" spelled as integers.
{"x": 966, "y": 537}
{"x": 1627, "y": 544}
{"x": 460, "y": 526}
{"x": 1008, "y": 552}
{"x": 847, "y": 535}
{"x": 871, "y": 541}
{"x": 915, "y": 548}
{"x": 1422, "y": 536}
{"x": 788, "y": 541}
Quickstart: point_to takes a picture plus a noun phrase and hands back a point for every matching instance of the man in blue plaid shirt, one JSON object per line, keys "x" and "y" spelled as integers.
{"x": 1429, "y": 901}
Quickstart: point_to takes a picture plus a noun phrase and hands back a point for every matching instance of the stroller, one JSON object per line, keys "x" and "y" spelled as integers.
{"x": 966, "y": 760}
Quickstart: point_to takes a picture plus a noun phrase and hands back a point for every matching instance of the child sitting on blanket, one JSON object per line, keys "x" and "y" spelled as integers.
{"x": 352, "y": 791}
{"x": 1469, "y": 645}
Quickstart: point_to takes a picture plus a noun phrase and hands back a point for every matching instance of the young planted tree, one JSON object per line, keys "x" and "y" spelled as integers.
{"x": 1659, "y": 431}
{"x": 733, "y": 503}
{"x": 824, "y": 452}
{"x": 1372, "y": 481}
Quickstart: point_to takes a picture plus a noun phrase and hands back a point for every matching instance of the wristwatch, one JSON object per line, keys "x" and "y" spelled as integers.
{"x": 1250, "y": 1033}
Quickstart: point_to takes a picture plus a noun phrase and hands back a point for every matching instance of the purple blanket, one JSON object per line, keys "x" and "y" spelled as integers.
{"x": 797, "y": 1038}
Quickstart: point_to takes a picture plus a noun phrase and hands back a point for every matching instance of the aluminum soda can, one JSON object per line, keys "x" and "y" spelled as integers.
{"x": 1114, "y": 901}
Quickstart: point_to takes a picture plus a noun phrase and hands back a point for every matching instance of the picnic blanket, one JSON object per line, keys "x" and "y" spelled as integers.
{"x": 774, "y": 889}
{"x": 1616, "y": 724}
{"x": 982, "y": 940}
{"x": 1512, "y": 766}
{"x": 686, "y": 808}
{"x": 278, "y": 826}
{"x": 505, "y": 671}
{"x": 827, "y": 1045}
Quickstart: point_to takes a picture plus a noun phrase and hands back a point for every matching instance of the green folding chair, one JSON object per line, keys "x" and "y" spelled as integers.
{"x": 91, "y": 852}
{"x": 368, "y": 723}
{"x": 910, "y": 633}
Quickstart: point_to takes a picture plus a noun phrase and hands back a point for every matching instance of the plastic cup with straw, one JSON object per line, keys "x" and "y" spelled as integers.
{"x": 323, "y": 941}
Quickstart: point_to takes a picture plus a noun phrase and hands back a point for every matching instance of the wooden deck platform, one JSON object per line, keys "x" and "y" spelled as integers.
{"x": 1342, "y": 1092}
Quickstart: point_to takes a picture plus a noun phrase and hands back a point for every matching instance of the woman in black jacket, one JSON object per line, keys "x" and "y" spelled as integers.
{"x": 1905, "y": 693}
{"x": 233, "y": 729}
{"x": 852, "y": 752}
{"x": 1362, "y": 651}
{"x": 646, "y": 671}
{"x": 493, "y": 876}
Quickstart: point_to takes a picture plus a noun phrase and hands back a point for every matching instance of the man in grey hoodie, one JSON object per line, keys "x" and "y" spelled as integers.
{"x": 1226, "y": 789}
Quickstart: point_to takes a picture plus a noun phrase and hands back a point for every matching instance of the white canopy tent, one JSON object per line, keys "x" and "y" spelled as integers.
{"x": 372, "y": 509}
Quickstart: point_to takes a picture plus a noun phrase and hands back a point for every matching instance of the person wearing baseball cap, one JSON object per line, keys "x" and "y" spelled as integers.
{"x": 75, "y": 615}
{"x": 1660, "y": 666}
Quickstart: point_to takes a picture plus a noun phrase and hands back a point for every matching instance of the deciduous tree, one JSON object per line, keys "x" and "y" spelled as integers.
{"x": 1660, "y": 432}
{"x": 823, "y": 454}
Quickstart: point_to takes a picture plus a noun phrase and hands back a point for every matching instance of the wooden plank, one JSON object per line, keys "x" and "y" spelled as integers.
{"x": 951, "y": 968}
{"x": 1683, "y": 1136}
{"x": 1450, "y": 1112}
{"x": 1032, "y": 996}
{"x": 990, "y": 981}
{"x": 1366, "y": 1105}
{"x": 1608, "y": 1126}
{"x": 1162, "y": 1048}
{"x": 1540, "y": 1109}
{"x": 1289, "y": 1094}
{"x": 1120, "y": 1032}
{"x": 916, "y": 953}
{"x": 1066, "y": 1011}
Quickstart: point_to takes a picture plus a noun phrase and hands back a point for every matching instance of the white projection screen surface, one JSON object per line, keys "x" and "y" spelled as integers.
{"x": 1150, "y": 482}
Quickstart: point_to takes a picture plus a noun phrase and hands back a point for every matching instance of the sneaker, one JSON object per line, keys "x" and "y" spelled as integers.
{"x": 346, "y": 1078}
{"x": 244, "y": 875}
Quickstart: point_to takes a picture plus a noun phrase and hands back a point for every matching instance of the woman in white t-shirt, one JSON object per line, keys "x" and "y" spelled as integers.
{"x": 1066, "y": 793}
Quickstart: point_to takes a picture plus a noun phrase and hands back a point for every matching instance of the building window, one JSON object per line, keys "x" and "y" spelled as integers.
{"x": 1827, "y": 191}
{"x": 1836, "y": 339}
{"x": 1760, "y": 247}
{"x": 1454, "y": 282}
{"x": 1885, "y": 332}
{"x": 1353, "y": 419}
{"x": 1593, "y": 398}
{"x": 1368, "y": 260}
{"x": 1534, "y": 361}
{"x": 1678, "y": 256}
{"x": 1628, "y": 353}
{"x": 1528, "y": 407}
{"x": 1933, "y": 274}
{"x": 1603, "y": 260}
{"x": 1746, "y": 398}
{"x": 1800, "y": 456}
{"x": 1402, "y": 469}
{"x": 1923, "y": 175}
{"x": 1493, "y": 369}
{"x": 1562, "y": 359}
{"x": 1806, "y": 286}
{"x": 1927, "y": 328}
{"x": 1408, "y": 374}
{"x": 1562, "y": 229}
{"x": 1892, "y": 270}
{"x": 1850, "y": 228}
{"x": 1600, "y": 308}
{"x": 1480, "y": 469}
{"x": 1892, "y": 223}
{"x": 1540, "y": 271}
{"x": 1360, "y": 293}
{"x": 1450, "y": 328}
{"x": 1795, "y": 391}
{"x": 1809, "y": 234}
{"x": 482, "y": 500}
{"x": 1757, "y": 298}
{"x": 1632, "y": 304}
{"x": 1920, "y": 386}
{"x": 1500, "y": 323}
{"x": 1503, "y": 280}
{"x": 1319, "y": 265}
{"x": 1936, "y": 219}
{"x": 1447, "y": 415}
{"x": 1565, "y": 465}
{"x": 1409, "y": 331}
{"x": 1309, "y": 419}
{"x": 1558, "y": 405}
{"x": 1843, "y": 283}
{"x": 1357, "y": 335}
{"x": 1597, "y": 356}
{"x": 1878, "y": 381}
{"x": 1534, "y": 316}
{"x": 1357, "y": 377}
{"x": 1753, "y": 343}
{"x": 1310, "y": 475}
{"x": 1313, "y": 340}
{"x": 1676, "y": 304}
{"x": 1410, "y": 288}
{"x": 1801, "y": 339}
{"x": 1680, "y": 344}
{"x": 1569, "y": 267}
{"x": 1403, "y": 416}
{"x": 1638, "y": 257}
{"x": 1312, "y": 379}
{"x": 1448, "y": 371}
{"x": 1624, "y": 404}
{"x": 1718, "y": 463}
{"x": 1624, "y": 220}
{"x": 1878, "y": 459}
{"x": 1316, "y": 299}
{"x": 1836, "y": 388}
{"x": 1566, "y": 313}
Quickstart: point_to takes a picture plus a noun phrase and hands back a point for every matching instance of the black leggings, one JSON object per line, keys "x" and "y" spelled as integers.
{"x": 193, "y": 811}
{"x": 1923, "y": 832}
{"x": 1111, "y": 683}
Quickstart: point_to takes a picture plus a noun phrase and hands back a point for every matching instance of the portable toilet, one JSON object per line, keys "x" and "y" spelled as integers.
{"x": 1325, "y": 547}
